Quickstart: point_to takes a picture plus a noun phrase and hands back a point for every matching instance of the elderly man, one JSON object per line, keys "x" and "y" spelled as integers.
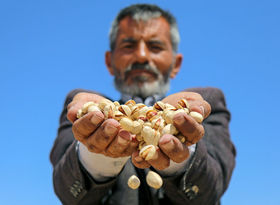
{"x": 93, "y": 157}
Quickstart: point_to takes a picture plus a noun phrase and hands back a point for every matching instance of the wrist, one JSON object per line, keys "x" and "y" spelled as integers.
{"x": 178, "y": 168}
{"x": 99, "y": 166}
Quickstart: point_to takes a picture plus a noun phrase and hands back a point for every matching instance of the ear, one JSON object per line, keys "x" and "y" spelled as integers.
{"x": 108, "y": 61}
{"x": 177, "y": 65}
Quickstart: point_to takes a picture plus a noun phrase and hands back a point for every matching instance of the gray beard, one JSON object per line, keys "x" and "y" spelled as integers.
{"x": 141, "y": 87}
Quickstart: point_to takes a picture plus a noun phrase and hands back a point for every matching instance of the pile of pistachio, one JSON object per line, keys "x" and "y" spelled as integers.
{"x": 148, "y": 124}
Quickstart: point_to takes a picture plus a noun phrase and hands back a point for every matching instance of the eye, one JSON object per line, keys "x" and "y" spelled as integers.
{"x": 128, "y": 46}
{"x": 155, "y": 48}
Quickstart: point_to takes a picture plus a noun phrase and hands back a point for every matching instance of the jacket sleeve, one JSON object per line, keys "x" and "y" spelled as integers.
{"x": 211, "y": 166}
{"x": 72, "y": 183}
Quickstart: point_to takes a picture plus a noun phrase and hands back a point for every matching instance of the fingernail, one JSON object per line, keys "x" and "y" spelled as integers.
{"x": 202, "y": 110}
{"x": 125, "y": 135}
{"x": 179, "y": 119}
{"x": 110, "y": 130}
{"x": 138, "y": 159}
{"x": 97, "y": 118}
{"x": 169, "y": 145}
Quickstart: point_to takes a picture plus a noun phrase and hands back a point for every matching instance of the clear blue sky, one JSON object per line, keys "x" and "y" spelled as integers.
{"x": 49, "y": 47}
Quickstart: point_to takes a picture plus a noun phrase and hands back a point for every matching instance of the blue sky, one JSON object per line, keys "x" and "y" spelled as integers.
{"x": 49, "y": 47}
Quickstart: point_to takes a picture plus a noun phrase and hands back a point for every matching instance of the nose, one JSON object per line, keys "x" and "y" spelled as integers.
{"x": 142, "y": 53}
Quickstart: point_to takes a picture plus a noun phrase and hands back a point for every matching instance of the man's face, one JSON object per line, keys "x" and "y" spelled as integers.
{"x": 143, "y": 60}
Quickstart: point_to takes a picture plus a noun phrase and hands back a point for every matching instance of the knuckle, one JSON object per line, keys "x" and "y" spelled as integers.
{"x": 75, "y": 129}
{"x": 180, "y": 157}
{"x": 162, "y": 165}
{"x": 92, "y": 148}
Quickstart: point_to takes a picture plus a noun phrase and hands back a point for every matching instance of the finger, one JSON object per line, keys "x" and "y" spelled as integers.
{"x": 160, "y": 161}
{"x": 78, "y": 101}
{"x": 86, "y": 125}
{"x": 173, "y": 148}
{"x": 119, "y": 144}
{"x": 139, "y": 161}
{"x": 72, "y": 110}
{"x": 200, "y": 106}
{"x": 103, "y": 136}
{"x": 133, "y": 145}
{"x": 192, "y": 130}
{"x": 192, "y": 96}
{"x": 175, "y": 98}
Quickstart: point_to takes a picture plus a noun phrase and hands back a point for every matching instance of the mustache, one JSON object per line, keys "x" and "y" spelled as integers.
{"x": 141, "y": 66}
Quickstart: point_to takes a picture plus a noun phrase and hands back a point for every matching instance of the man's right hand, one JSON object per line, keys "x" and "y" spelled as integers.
{"x": 96, "y": 133}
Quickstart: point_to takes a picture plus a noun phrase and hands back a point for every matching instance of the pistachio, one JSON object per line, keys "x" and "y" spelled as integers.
{"x": 158, "y": 123}
{"x": 169, "y": 129}
{"x": 142, "y": 144}
{"x": 108, "y": 111}
{"x": 139, "y": 137}
{"x": 79, "y": 113}
{"x": 148, "y": 152}
{"x": 148, "y": 134}
{"x": 186, "y": 110}
{"x": 133, "y": 182}
{"x": 103, "y": 103}
{"x": 147, "y": 123}
{"x": 141, "y": 113}
{"x": 130, "y": 103}
{"x": 154, "y": 180}
{"x": 179, "y": 111}
{"x": 86, "y": 106}
{"x": 169, "y": 107}
{"x": 135, "y": 110}
{"x": 168, "y": 116}
{"x": 159, "y": 105}
{"x": 160, "y": 113}
{"x": 183, "y": 103}
{"x": 151, "y": 114}
{"x": 144, "y": 110}
{"x": 118, "y": 115}
{"x": 156, "y": 138}
{"x": 116, "y": 103}
{"x": 137, "y": 127}
{"x": 93, "y": 108}
{"x": 197, "y": 116}
{"x": 125, "y": 110}
{"x": 182, "y": 138}
{"x": 143, "y": 118}
{"x": 126, "y": 124}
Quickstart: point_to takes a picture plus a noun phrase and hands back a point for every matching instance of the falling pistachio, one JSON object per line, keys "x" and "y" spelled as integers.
{"x": 133, "y": 182}
{"x": 154, "y": 180}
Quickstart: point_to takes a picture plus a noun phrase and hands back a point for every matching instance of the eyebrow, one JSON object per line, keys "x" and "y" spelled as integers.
{"x": 156, "y": 42}
{"x": 132, "y": 40}
{"x": 128, "y": 40}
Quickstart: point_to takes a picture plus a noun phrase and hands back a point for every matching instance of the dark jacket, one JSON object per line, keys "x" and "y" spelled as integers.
{"x": 202, "y": 183}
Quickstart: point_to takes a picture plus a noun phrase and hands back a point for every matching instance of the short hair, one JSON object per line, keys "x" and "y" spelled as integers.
{"x": 145, "y": 12}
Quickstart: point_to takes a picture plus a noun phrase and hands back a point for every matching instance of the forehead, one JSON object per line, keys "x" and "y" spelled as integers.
{"x": 152, "y": 28}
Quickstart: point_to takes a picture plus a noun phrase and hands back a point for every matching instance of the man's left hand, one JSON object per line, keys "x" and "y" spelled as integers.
{"x": 170, "y": 147}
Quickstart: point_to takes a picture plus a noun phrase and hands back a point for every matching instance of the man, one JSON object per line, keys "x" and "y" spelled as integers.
{"x": 93, "y": 158}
